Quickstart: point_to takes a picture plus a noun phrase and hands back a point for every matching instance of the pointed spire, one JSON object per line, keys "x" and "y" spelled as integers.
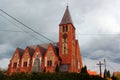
{"x": 67, "y": 17}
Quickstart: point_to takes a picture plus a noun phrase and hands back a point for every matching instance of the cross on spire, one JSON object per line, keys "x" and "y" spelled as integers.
{"x": 67, "y": 2}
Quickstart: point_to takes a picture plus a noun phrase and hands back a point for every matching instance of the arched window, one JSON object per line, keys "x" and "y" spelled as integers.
{"x": 65, "y": 28}
{"x": 64, "y": 48}
{"x": 49, "y": 59}
{"x": 15, "y": 65}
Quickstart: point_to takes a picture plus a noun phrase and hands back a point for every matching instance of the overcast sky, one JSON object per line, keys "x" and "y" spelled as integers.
{"x": 96, "y": 21}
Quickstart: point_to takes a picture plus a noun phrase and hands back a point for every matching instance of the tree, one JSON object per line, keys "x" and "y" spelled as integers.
{"x": 113, "y": 77}
{"x": 84, "y": 69}
{"x": 105, "y": 74}
{"x": 108, "y": 74}
{"x": 118, "y": 76}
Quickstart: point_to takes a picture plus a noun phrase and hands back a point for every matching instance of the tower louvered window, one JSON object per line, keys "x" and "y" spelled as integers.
{"x": 65, "y": 28}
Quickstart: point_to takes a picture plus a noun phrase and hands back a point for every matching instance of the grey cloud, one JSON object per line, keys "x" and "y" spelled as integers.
{"x": 104, "y": 47}
{"x": 6, "y": 51}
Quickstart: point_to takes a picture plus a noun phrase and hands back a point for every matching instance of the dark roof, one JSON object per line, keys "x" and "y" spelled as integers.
{"x": 64, "y": 67}
{"x": 31, "y": 51}
{"x": 44, "y": 47}
{"x": 21, "y": 51}
{"x": 56, "y": 49}
{"x": 67, "y": 17}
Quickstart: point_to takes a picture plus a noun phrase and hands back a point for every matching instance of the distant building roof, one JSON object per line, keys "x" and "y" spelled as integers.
{"x": 116, "y": 73}
{"x": 92, "y": 72}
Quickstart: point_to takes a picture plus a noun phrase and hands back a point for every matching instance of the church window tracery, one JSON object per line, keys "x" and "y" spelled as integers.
{"x": 49, "y": 59}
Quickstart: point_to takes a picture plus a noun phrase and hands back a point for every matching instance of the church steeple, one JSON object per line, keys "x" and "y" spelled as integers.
{"x": 67, "y": 17}
{"x": 67, "y": 39}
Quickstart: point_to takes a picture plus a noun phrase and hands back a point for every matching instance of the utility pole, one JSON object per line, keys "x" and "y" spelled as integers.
{"x": 105, "y": 63}
{"x": 100, "y": 64}
{"x": 105, "y": 71}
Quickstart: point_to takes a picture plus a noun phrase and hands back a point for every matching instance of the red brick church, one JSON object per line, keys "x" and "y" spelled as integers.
{"x": 64, "y": 54}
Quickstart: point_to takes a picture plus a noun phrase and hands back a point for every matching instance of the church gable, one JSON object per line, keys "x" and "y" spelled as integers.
{"x": 50, "y": 56}
{"x": 15, "y": 59}
{"x": 37, "y": 52}
{"x": 16, "y": 55}
{"x": 25, "y": 58}
{"x": 37, "y": 59}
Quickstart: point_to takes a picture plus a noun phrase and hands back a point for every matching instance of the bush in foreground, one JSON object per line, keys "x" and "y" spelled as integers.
{"x": 49, "y": 76}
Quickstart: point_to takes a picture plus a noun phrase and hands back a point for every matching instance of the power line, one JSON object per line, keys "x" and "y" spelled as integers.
{"x": 25, "y": 25}
{"x": 20, "y": 28}
{"x": 10, "y": 31}
{"x": 98, "y": 34}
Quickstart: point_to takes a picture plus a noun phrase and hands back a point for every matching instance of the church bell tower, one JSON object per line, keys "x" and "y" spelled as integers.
{"x": 67, "y": 38}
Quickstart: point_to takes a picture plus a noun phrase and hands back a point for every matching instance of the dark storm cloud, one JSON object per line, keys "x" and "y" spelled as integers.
{"x": 6, "y": 51}
{"x": 36, "y": 14}
{"x": 104, "y": 47}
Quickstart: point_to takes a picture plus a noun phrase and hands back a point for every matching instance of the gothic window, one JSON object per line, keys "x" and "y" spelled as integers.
{"x": 15, "y": 65}
{"x": 25, "y": 64}
{"x": 65, "y": 28}
{"x": 64, "y": 40}
{"x": 65, "y": 48}
{"x": 50, "y": 59}
{"x": 49, "y": 63}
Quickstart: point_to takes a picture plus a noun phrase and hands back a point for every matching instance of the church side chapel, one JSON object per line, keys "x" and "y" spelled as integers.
{"x": 64, "y": 54}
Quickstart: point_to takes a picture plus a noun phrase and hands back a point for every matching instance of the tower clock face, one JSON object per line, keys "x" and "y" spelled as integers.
{"x": 65, "y": 36}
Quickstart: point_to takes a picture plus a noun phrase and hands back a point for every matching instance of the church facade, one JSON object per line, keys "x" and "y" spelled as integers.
{"x": 64, "y": 54}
